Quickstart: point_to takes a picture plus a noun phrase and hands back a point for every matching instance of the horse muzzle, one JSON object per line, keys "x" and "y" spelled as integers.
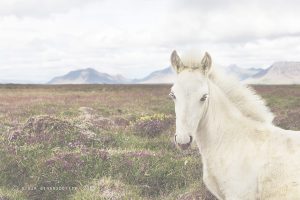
{"x": 184, "y": 146}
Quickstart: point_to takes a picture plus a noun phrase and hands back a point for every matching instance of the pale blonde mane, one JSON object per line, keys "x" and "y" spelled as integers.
{"x": 243, "y": 97}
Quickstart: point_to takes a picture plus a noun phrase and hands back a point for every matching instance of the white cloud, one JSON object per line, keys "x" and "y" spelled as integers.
{"x": 38, "y": 8}
{"x": 41, "y": 39}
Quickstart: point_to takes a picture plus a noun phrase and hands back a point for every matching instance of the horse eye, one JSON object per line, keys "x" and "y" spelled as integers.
{"x": 204, "y": 97}
{"x": 172, "y": 95}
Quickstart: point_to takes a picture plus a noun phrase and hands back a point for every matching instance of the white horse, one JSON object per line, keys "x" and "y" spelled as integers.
{"x": 244, "y": 155}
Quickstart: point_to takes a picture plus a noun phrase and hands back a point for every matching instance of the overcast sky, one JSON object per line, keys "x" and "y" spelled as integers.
{"x": 40, "y": 39}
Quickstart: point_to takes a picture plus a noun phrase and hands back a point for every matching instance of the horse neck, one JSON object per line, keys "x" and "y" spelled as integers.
{"x": 221, "y": 116}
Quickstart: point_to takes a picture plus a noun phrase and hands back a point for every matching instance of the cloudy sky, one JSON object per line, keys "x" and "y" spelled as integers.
{"x": 42, "y": 39}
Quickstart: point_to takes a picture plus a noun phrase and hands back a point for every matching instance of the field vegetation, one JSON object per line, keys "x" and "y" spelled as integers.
{"x": 105, "y": 142}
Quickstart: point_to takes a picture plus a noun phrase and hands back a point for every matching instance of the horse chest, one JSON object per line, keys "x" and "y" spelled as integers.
{"x": 211, "y": 183}
{"x": 225, "y": 178}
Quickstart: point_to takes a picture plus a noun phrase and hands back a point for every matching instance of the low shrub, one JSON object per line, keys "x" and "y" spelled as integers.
{"x": 152, "y": 125}
{"x": 48, "y": 131}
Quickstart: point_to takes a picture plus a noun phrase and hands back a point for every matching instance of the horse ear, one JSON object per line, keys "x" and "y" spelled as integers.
{"x": 176, "y": 62}
{"x": 206, "y": 63}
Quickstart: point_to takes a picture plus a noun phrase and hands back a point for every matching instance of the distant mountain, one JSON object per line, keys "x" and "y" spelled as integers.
{"x": 278, "y": 73}
{"x": 6, "y": 81}
{"x": 88, "y": 76}
{"x": 166, "y": 75}
{"x": 242, "y": 73}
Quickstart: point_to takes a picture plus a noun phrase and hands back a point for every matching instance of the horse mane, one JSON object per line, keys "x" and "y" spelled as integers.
{"x": 243, "y": 97}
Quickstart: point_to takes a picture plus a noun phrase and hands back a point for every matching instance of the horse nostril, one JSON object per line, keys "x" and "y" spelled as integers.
{"x": 191, "y": 139}
{"x": 184, "y": 146}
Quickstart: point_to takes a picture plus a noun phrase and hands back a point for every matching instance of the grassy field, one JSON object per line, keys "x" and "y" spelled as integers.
{"x": 104, "y": 142}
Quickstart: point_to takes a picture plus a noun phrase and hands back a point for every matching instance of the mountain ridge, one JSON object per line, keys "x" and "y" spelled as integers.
{"x": 278, "y": 73}
{"x": 242, "y": 73}
{"x": 88, "y": 76}
{"x": 165, "y": 75}
{"x": 284, "y": 72}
